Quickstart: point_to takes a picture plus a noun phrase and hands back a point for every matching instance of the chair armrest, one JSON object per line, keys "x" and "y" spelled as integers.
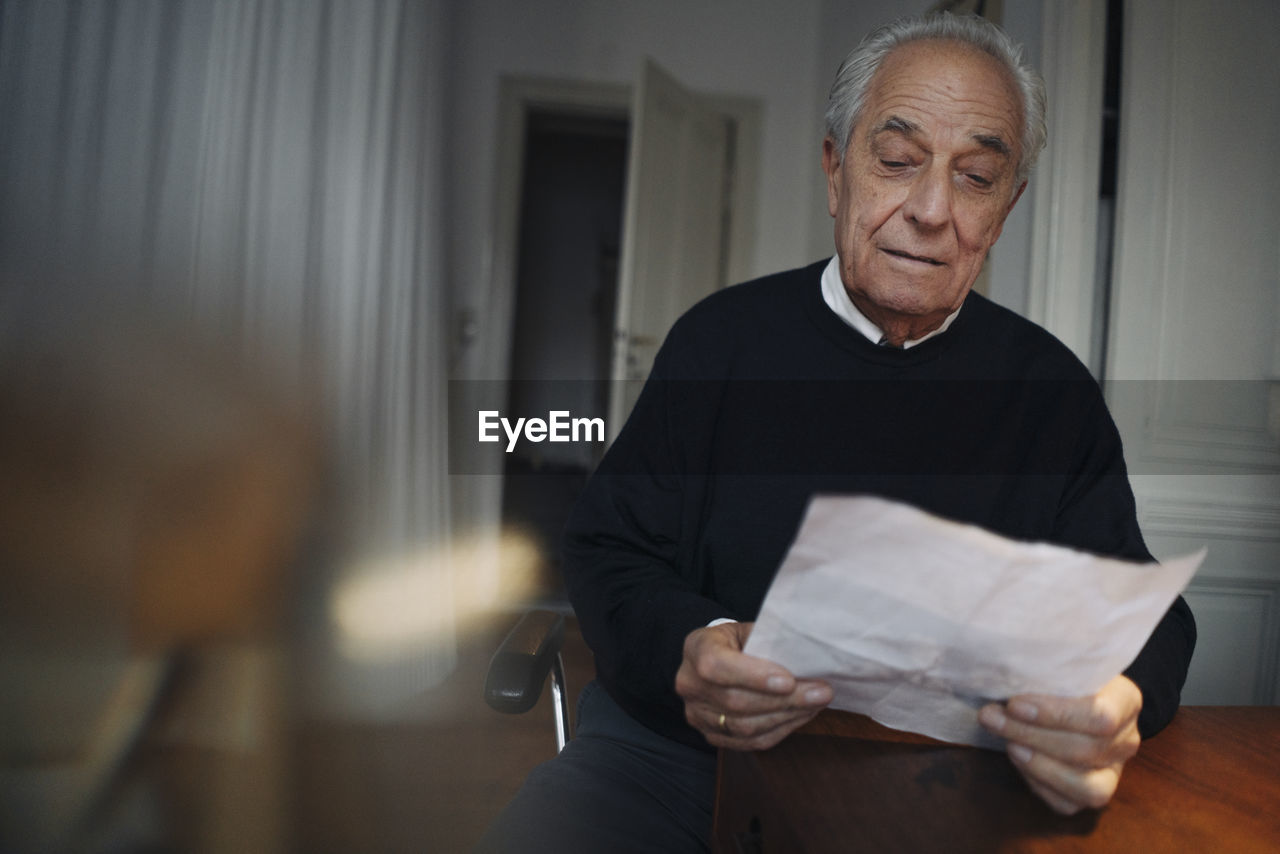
{"x": 521, "y": 664}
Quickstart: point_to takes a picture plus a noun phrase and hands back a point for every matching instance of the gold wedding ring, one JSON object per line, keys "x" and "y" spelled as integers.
{"x": 724, "y": 725}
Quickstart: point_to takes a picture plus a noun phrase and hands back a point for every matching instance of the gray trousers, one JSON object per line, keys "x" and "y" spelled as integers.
{"x": 616, "y": 787}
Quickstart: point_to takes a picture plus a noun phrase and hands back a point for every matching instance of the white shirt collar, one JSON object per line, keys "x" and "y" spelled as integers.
{"x": 837, "y": 299}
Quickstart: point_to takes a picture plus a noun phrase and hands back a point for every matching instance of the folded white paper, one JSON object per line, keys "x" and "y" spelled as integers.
{"x": 918, "y": 622}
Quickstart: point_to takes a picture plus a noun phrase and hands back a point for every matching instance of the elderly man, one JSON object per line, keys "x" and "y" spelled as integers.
{"x": 877, "y": 372}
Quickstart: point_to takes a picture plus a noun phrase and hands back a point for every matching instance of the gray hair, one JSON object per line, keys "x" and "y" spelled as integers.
{"x": 849, "y": 91}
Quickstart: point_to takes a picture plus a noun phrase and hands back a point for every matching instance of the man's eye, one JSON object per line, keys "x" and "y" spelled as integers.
{"x": 894, "y": 164}
{"x": 979, "y": 180}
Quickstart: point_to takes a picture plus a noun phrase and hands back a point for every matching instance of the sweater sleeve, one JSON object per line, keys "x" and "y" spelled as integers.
{"x": 630, "y": 544}
{"x": 1098, "y": 514}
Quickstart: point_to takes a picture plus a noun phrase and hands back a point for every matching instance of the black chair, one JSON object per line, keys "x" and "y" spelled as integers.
{"x": 518, "y": 669}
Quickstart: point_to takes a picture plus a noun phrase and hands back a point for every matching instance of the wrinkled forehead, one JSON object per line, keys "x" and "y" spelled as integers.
{"x": 946, "y": 81}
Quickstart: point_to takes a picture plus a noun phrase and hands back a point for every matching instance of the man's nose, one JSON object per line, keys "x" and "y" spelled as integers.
{"x": 928, "y": 203}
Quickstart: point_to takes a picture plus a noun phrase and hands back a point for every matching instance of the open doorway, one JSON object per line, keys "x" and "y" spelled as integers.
{"x": 569, "y": 244}
{"x": 1108, "y": 171}
{"x": 618, "y": 208}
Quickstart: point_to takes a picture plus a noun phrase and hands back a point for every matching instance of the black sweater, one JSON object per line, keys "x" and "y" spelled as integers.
{"x": 761, "y": 397}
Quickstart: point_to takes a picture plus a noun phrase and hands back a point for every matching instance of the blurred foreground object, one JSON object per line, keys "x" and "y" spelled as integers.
{"x": 155, "y": 493}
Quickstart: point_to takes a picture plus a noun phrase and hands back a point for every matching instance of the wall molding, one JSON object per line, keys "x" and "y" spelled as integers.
{"x": 1267, "y": 643}
{"x": 1185, "y": 424}
{"x": 1216, "y": 519}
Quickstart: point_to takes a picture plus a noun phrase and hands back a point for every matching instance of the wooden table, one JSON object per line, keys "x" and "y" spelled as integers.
{"x": 1210, "y": 782}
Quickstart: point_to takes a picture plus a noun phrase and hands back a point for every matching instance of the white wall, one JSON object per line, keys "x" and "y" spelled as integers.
{"x": 763, "y": 49}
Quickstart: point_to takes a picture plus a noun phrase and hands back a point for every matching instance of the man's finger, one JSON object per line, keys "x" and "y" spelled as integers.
{"x": 755, "y": 733}
{"x": 750, "y": 726}
{"x": 1091, "y": 788}
{"x": 1076, "y": 748}
{"x": 744, "y": 703}
{"x": 738, "y": 670}
{"x": 1113, "y": 708}
{"x": 1086, "y": 715}
{"x": 715, "y": 654}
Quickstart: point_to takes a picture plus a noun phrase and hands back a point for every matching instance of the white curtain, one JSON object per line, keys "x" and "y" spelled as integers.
{"x": 272, "y": 168}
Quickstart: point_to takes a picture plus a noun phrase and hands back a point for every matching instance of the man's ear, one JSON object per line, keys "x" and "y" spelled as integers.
{"x": 1016, "y": 196}
{"x": 831, "y": 163}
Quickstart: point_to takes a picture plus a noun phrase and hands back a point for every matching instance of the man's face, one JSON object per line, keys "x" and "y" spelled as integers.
{"x": 923, "y": 190}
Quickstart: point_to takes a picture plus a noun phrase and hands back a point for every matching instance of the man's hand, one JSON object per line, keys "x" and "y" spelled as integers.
{"x": 738, "y": 701}
{"x": 1070, "y": 750}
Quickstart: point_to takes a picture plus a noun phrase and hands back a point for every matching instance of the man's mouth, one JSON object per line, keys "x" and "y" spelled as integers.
{"x": 922, "y": 258}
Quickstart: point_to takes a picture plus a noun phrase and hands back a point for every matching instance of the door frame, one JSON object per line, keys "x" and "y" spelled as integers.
{"x": 1061, "y": 295}
{"x": 518, "y": 96}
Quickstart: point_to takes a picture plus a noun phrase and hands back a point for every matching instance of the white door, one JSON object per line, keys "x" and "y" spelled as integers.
{"x": 674, "y": 228}
{"x": 1193, "y": 367}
